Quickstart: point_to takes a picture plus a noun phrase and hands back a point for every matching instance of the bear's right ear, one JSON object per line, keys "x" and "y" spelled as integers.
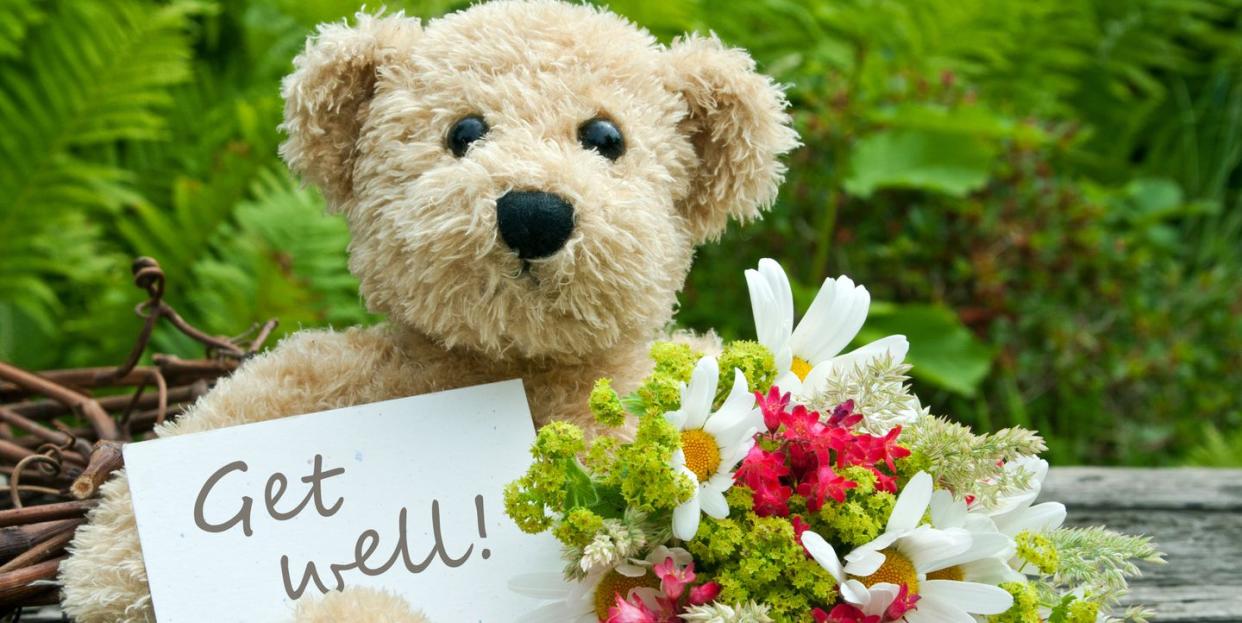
{"x": 328, "y": 93}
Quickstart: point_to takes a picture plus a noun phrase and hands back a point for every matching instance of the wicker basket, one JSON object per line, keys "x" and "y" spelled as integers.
{"x": 61, "y": 433}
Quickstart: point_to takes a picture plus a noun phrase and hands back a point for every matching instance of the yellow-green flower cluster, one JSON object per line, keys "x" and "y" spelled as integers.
{"x": 756, "y": 558}
{"x": 753, "y": 359}
{"x": 642, "y": 470}
{"x": 1025, "y": 607}
{"x": 661, "y": 391}
{"x": 551, "y": 479}
{"x": 1082, "y": 611}
{"x": 1038, "y": 550}
{"x": 863, "y": 515}
{"x": 578, "y": 527}
{"x": 572, "y": 488}
{"x": 606, "y": 405}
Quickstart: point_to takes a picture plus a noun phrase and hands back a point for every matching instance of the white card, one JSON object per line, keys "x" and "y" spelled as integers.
{"x": 447, "y": 454}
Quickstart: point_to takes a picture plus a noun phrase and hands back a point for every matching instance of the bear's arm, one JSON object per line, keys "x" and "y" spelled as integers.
{"x": 104, "y": 579}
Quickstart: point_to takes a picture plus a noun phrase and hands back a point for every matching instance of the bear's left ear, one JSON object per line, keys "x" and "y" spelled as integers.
{"x": 329, "y": 91}
{"x": 739, "y": 128}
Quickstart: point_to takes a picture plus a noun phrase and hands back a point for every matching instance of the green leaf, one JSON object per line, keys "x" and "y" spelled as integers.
{"x": 943, "y": 351}
{"x": 950, "y": 163}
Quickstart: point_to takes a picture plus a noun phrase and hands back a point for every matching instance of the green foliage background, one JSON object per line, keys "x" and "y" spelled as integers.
{"x": 1043, "y": 195}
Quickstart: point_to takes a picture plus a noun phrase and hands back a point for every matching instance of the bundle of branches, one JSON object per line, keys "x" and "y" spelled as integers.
{"x": 61, "y": 433}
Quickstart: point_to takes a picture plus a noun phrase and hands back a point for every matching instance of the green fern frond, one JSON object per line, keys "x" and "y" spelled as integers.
{"x": 16, "y": 18}
{"x": 91, "y": 74}
{"x": 281, "y": 256}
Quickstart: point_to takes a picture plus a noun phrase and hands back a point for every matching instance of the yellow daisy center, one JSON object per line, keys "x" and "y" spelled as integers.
{"x": 614, "y": 584}
{"x": 801, "y": 367}
{"x": 897, "y": 569}
{"x": 702, "y": 453}
{"x": 955, "y": 573}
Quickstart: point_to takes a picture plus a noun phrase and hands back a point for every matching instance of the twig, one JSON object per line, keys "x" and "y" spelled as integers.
{"x": 106, "y": 459}
{"x": 87, "y": 406}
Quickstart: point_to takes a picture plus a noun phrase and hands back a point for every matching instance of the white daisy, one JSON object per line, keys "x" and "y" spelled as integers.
{"x": 1017, "y": 513}
{"x": 986, "y": 559}
{"x": 811, "y": 353}
{"x": 910, "y": 554}
{"x": 712, "y": 444}
{"x": 583, "y": 601}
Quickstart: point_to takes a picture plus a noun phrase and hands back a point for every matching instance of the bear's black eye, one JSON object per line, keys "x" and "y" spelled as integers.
{"x": 466, "y": 131}
{"x": 603, "y": 136}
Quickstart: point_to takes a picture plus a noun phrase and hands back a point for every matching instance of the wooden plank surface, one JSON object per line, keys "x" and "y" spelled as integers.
{"x": 1194, "y": 516}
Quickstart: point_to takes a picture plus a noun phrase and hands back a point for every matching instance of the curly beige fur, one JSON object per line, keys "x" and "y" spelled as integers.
{"x": 367, "y": 110}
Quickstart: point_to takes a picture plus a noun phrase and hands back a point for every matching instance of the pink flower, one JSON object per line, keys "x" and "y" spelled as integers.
{"x": 672, "y": 579}
{"x": 802, "y": 424}
{"x": 772, "y": 498}
{"x": 704, "y": 593}
{"x": 773, "y": 407}
{"x": 876, "y": 449}
{"x": 630, "y": 612}
{"x": 844, "y": 613}
{"x": 884, "y": 482}
{"x": 824, "y": 483}
{"x": 761, "y": 466}
{"x": 902, "y": 603}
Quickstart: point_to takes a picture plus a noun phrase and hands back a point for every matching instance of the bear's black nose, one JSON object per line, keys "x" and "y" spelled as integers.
{"x": 534, "y": 224}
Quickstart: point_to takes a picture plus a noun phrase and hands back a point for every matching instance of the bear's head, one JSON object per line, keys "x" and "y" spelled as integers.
{"x": 529, "y": 178}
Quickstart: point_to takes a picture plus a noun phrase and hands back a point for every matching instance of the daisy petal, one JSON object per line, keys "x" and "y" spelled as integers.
{"x": 778, "y": 283}
{"x": 991, "y": 571}
{"x": 765, "y": 308}
{"x": 686, "y": 519}
{"x": 863, "y": 563}
{"x": 826, "y": 314}
{"x": 932, "y": 610}
{"x": 880, "y": 597}
{"x": 823, "y": 553}
{"x": 969, "y": 596}
{"x": 978, "y": 545}
{"x": 713, "y": 503}
{"x": 696, "y": 399}
{"x": 1038, "y": 518}
{"x": 911, "y": 503}
{"x": 947, "y": 512}
{"x": 554, "y": 611}
{"x": 849, "y": 324}
{"x": 926, "y": 546}
{"x": 541, "y": 585}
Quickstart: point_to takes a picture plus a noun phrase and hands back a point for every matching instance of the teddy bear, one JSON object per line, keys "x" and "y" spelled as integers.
{"x": 525, "y": 183}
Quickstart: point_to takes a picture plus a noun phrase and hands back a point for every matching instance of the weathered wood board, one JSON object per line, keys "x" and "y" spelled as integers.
{"x": 1193, "y": 515}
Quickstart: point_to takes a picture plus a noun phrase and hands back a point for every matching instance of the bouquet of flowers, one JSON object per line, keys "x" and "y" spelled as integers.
{"x": 784, "y": 481}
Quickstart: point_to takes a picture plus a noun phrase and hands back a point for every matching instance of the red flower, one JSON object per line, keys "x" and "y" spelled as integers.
{"x": 839, "y": 441}
{"x": 884, "y": 482}
{"x": 826, "y": 483}
{"x": 902, "y": 603}
{"x": 772, "y": 498}
{"x": 884, "y": 448}
{"x": 761, "y": 466}
{"x": 844, "y": 613}
{"x": 704, "y": 593}
{"x": 843, "y": 416}
{"x": 802, "y": 424}
{"x": 773, "y": 406}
